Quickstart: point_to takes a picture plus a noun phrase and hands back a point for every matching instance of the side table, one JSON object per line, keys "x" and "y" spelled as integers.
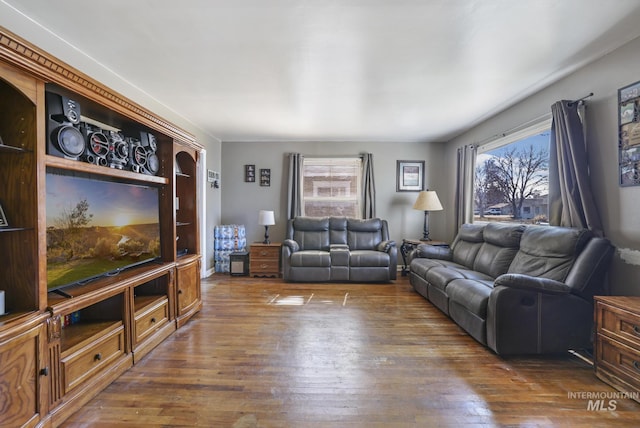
{"x": 264, "y": 259}
{"x": 409, "y": 244}
{"x": 617, "y": 342}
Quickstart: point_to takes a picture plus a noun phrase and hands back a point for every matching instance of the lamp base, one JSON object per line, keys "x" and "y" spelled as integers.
{"x": 266, "y": 235}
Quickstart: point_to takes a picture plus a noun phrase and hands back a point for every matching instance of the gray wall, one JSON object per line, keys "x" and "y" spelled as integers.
{"x": 241, "y": 201}
{"x": 619, "y": 206}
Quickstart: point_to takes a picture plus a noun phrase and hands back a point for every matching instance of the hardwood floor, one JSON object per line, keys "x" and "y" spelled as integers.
{"x": 263, "y": 353}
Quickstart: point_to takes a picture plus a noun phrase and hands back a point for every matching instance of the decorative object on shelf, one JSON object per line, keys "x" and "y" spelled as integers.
{"x": 410, "y": 176}
{"x": 629, "y": 134}
{"x": 265, "y": 177}
{"x": 427, "y": 201}
{"x": 266, "y": 219}
{"x": 3, "y": 218}
{"x": 250, "y": 173}
{"x": 213, "y": 177}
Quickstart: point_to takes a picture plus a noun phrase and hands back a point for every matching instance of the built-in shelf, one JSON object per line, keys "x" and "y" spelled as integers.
{"x": 89, "y": 168}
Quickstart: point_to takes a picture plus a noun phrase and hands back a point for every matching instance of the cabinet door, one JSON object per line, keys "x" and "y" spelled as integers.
{"x": 188, "y": 286}
{"x": 19, "y": 378}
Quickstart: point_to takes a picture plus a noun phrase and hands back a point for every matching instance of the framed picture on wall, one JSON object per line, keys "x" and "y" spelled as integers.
{"x": 265, "y": 177}
{"x": 409, "y": 176}
{"x": 250, "y": 173}
{"x": 629, "y": 135}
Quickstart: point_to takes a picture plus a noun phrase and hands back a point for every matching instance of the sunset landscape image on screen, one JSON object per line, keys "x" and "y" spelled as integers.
{"x": 97, "y": 227}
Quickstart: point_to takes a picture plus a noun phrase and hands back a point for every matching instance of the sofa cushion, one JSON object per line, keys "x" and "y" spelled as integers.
{"x": 364, "y": 234}
{"x": 310, "y": 258}
{"x": 501, "y": 243}
{"x": 368, "y": 258}
{"x": 549, "y": 252}
{"x": 467, "y": 243}
{"x": 338, "y": 230}
{"x": 421, "y": 266}
{"x": 440, "y": 277}
{"x": 311, "y": 233}
{"x": 472, "y": 294}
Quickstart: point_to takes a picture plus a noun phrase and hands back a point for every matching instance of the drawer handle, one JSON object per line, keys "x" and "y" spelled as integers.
{"x": 153, "y": 320}
{"x": 636, "y": 329}
{"x": 44, "y": 371}
{"x": 636, "y": 365}
{"x": 97, "y": 357}
{"x": 264, "y": 266}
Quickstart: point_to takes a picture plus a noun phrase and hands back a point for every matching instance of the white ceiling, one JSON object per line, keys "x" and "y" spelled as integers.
{"x": 339, "y": 70}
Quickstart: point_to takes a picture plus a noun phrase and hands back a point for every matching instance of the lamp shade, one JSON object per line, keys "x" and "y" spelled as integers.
{"x": 427, "y": 201}
{"x": 266, "y": 218}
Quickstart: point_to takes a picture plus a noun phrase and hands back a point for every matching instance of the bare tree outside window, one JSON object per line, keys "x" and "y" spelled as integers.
{"x": 511, "y": 181}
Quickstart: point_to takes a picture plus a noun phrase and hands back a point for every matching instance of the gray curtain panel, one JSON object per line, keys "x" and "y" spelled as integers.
{"x": 464, "y": 184}
{"x": 368, "y": 187}
{"x": 571, "y": 202}
{"x": 294, "y": 197}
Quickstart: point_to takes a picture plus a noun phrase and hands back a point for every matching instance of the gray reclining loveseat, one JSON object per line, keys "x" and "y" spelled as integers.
{"x": 321, "y": 249}
{"x": 517, "y": 289}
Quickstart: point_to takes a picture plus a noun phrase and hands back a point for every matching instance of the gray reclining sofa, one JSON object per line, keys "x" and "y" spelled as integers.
{"x": 338, "y": 249}
{"x": 516, "y": 289}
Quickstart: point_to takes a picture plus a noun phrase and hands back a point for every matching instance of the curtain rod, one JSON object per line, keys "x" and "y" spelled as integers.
{"x": 580, "y": 99}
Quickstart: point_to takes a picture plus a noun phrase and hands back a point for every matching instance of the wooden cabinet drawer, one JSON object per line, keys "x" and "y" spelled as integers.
{"x": 83, "y": 363}
{"x": 619, "y": 360}
{"x": 150, "y": 319}
{"x": 619, "y": 324}
{"x": 269, "y": 252}
{"x": 264, "y": 266}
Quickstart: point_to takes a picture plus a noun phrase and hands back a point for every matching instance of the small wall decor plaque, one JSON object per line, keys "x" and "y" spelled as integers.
{"x": 265, "y": 177}
{"x": 250, "y": 173}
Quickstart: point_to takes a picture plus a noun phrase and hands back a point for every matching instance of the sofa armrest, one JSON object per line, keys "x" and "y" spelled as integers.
{"x": 292, "y": 245}
{"x": 427, "y": 251}
{"x": 385, "y": 246}
{"x": 532, "y": 283}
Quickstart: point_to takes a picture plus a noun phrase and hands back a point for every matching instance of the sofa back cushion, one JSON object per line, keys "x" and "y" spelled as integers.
{"x": 549, "y": 251}
{"x": 467, "y": 243}
{"x": 365, "y": 234}
{"x": 311, "y": 233}
{"x": 500, "y": 246}
{"x": 337, "y": 230}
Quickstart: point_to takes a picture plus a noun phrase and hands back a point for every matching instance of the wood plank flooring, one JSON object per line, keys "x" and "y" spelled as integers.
{"x": 263, "y": 353}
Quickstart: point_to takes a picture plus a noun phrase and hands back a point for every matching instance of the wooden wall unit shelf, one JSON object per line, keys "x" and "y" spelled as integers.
{"x": 72, "y": 346}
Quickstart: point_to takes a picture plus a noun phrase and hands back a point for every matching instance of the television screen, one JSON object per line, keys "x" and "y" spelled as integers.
{"x": 97, "y": 227}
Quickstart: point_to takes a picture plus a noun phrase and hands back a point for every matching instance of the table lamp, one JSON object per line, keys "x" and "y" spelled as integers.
{"x": 427, "y": 201}
{"x": 266, "y": 219}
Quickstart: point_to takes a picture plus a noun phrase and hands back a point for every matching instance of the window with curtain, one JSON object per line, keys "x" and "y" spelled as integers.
{"x": 511, "y": 181}
{"x": 332, "y": 187}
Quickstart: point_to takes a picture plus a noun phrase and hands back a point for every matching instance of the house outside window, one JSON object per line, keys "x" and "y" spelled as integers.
{"x": 511, "y": 182}
{"x": 332, "y": 187}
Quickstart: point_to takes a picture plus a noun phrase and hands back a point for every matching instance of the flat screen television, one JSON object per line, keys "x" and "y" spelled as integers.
{"x": 97, "y": 227}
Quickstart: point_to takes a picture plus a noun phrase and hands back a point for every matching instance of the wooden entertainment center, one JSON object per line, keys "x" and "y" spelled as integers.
{"x": 49, "y": 367}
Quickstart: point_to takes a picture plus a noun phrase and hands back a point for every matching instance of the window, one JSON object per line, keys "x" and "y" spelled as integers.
{"x": 511, "y": 181}
{"x": 331, "y": 187}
